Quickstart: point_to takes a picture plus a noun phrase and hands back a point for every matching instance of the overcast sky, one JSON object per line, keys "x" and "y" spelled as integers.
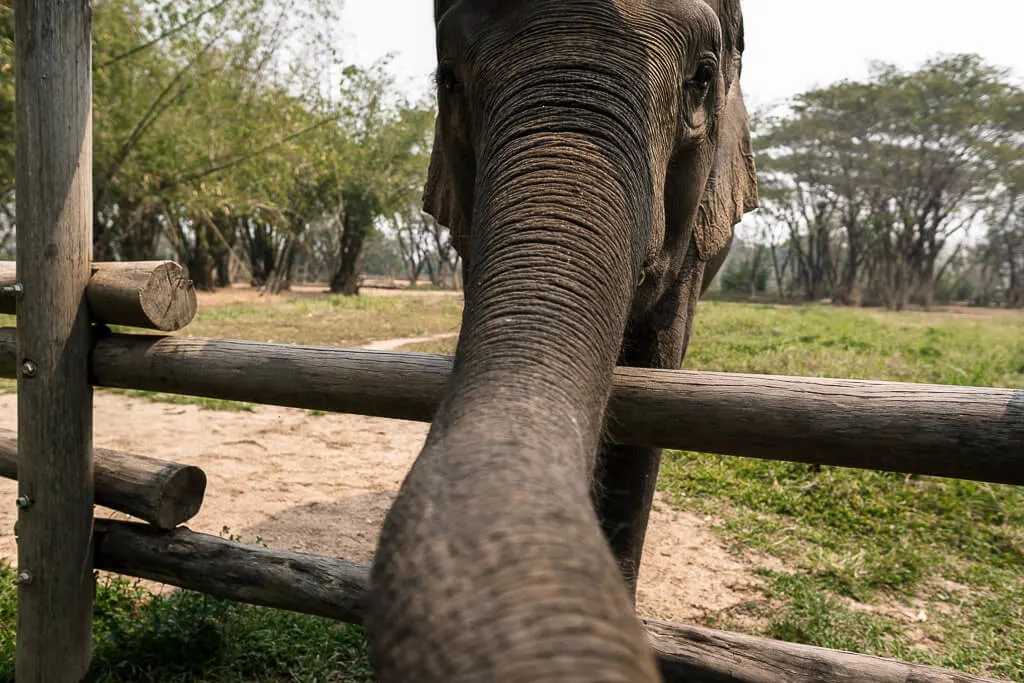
{"x": 792, "y": 45}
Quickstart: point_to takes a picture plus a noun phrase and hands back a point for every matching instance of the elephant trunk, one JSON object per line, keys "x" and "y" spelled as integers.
{"x": 492, "y": 565}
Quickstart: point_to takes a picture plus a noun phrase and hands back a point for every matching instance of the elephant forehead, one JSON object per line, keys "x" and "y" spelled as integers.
{"x": 472, "y": 20}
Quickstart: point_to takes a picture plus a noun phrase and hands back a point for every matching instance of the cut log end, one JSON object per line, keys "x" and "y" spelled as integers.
{"x": 165, "y": 494}
{"x": 154, "y": 295}
{"x": 168, "y": 299}
{"x": 181, "y": 496}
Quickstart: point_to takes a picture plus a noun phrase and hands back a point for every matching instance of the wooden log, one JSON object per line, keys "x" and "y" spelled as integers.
{"x": 703, "y": 655}
{"x": 945, "y": 431}
{"x": 53, "y": 82}
{"x": 337, "y": 589}
{"x": 299, "y": 582}
{"x": 154, "y": 295}
{"x": 971, "y": 433}
{"x": 162, "y": 493}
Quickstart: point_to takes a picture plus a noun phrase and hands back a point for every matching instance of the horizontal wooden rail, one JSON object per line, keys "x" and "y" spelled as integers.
{"x": 299, "y": 582}
{"x": 336, "y": 589}
{"x": 154, "y": 295}
{"x": 156, "y": 491}
{"x": 945, "y": 431}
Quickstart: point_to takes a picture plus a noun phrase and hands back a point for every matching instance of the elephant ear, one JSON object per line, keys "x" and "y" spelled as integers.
{"x": 732, "y": 187}
{"x": 439, "y": 198}
{"x": 440, "y": 7}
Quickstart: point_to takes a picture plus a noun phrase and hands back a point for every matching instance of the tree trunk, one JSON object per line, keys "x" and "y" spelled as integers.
{"x": 755, "y": 266}
{"x": 201, "y": 269}
{"x": 287, "y": 268}
{"x": 261, "y": 254}
{"x": 1015, "y": 292}
{"x": 222, "y": 264}
{"x": 358, "y": 211}
{"x": 346, "y": 278}
{"x": 776, "y": 269}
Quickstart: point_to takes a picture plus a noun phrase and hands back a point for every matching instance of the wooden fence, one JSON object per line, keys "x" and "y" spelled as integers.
{"x": 62, "y": 347}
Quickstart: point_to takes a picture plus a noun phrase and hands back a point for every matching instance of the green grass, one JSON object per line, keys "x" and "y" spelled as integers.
{"x": 331, "y": 320}
{"x": 858, "y": 543}
{"x": 979, "y": 348}
{"x": 185, "y": 636}
{"x": 951, "y": 548}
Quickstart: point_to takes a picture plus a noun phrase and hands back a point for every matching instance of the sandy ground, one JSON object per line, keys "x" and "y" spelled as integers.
{"x": 294, "y": 480}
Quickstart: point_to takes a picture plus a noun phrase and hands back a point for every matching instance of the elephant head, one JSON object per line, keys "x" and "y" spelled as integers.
{"x": 591, "y": 159}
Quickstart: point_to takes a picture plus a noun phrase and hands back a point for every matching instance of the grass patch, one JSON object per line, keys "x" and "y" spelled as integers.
{"x": 870, "y": 531}
{"x": 331, "y": 320}
{"x": 983, "y": 636}
{"x": 185, "y": 636}
{"x": 797, "y": 611}
{"x": 983, "y": 349}
{"x": 952, "y": 550}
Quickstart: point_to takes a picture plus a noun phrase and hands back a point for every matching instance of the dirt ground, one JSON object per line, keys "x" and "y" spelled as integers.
{"x": 295, "y": 480}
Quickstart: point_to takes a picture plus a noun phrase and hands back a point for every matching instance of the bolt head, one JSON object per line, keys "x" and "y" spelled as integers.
{"x": 23, "y": 579}
{"x": 28, "y": 368}
{"x": 23, "y": 502}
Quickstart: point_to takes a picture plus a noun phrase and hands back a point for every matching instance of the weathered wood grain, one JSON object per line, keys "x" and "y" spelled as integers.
{"x": 337, "y": 589}
{"x": 946, "y": 431}
{"x": 299, "y": 582}
{"x": 154, "y": 295}
{"x": 701, "y": 655}
{"x": 53, "y": 82}
{"x": 162, "y": 493}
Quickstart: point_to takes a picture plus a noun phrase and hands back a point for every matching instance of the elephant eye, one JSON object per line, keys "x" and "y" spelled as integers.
{"x": 702, "y": 80}
{"x": 445, "y": 77}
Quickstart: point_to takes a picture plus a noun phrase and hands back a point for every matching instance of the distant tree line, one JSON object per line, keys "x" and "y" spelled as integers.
{"x": 906, "y": 188}
{"x": 230, "y": 136}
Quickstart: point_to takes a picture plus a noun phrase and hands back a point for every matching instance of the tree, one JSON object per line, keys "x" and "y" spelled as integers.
{"x": 1001, "y": 254}
{"x": 387, "y": 155}
{"x": 200, "y": 107}
{"x": 796, "y": 186}
{"x": 879, "y": 181}
{"x": 230, "y": 133}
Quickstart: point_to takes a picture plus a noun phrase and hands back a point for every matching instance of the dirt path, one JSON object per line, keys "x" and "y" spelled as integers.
{"x": 395, "y": 344}
{"x": 295, "y": 480}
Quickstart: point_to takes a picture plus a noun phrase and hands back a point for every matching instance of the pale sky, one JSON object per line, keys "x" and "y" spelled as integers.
{"x": 792, "y": 45}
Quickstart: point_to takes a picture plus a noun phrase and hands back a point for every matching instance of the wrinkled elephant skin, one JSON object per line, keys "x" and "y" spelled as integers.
{"x": 591, "y": 159}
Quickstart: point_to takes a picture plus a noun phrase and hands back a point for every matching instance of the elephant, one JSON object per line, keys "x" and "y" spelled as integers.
{"x": 591, "y": 159}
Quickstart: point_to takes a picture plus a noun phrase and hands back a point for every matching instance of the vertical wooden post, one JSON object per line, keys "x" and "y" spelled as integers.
{"x": 53, "y": 62}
